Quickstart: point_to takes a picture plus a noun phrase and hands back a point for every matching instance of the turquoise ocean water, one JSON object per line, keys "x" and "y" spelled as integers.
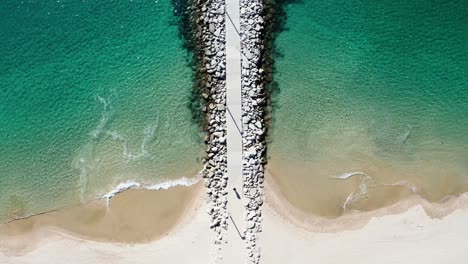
{"x": 373, "y": 89}
{"x": 92, "y": 94}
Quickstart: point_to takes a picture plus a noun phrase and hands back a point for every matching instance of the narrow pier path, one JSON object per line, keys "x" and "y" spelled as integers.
{"x": 234, "y": 251}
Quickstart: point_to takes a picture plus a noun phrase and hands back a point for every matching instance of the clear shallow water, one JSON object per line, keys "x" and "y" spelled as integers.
{"x": 378, "y": 88}
{"x": 92, "y": 94}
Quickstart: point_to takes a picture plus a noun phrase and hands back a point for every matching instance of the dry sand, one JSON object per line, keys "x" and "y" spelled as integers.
{"x": 403, "y": 236}
{"x": 409, "y": 237}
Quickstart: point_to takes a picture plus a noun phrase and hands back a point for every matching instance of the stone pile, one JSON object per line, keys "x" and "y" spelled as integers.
{"x": 253, "y": 113}
{"x": 211, "y": 75}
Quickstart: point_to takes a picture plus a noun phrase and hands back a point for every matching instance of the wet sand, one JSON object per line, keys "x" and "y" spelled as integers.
{"x": 326, "y": 189}
{"x": 132, "y": 216}
{"x": 398, "y": 202}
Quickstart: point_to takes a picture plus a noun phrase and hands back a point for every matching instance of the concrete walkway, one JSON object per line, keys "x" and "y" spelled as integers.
{"x": 234, "y": 251}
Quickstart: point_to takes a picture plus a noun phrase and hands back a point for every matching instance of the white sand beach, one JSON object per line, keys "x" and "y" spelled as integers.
{"x": 408, "y": 237}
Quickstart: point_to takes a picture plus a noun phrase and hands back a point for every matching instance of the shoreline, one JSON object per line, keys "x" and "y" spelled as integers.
{"x": 407, "y": 236}
{"x": 27, "y": 234}
{"x": 277, "y": 202}
{"x": 329, "y": 190}
{"x": 191, "y": 230}
{"x": 133, "y": 216}
{"x": 121, "y": 187}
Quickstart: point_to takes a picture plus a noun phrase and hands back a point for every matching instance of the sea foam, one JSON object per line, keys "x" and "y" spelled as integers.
{"x": 104, "y": 117}
{"x": 130, "y": 184}
{"x": 364, "y": 184}
{"x": 348, "y": 175}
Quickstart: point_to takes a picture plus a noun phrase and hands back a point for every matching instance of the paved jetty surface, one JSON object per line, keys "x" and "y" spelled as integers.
{"x": 235, "y": 247}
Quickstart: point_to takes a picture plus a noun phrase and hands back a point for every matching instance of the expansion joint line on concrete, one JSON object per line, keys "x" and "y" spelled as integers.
{"x": 235, "y": 122}
{"x": 232, "y": 22}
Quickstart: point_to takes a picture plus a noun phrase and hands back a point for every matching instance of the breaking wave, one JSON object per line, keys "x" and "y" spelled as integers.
{"x": 129, "y": 184}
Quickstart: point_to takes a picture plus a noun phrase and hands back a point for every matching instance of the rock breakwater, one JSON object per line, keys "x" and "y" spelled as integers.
{"x": 211, "y": 60}
{"x": 254, "y": 103}
{"x": 202, "y": 27}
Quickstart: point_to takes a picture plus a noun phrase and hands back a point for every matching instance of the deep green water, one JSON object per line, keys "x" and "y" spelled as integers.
{"x": 378, "y": 87}
{"x": 92, "y": 94}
